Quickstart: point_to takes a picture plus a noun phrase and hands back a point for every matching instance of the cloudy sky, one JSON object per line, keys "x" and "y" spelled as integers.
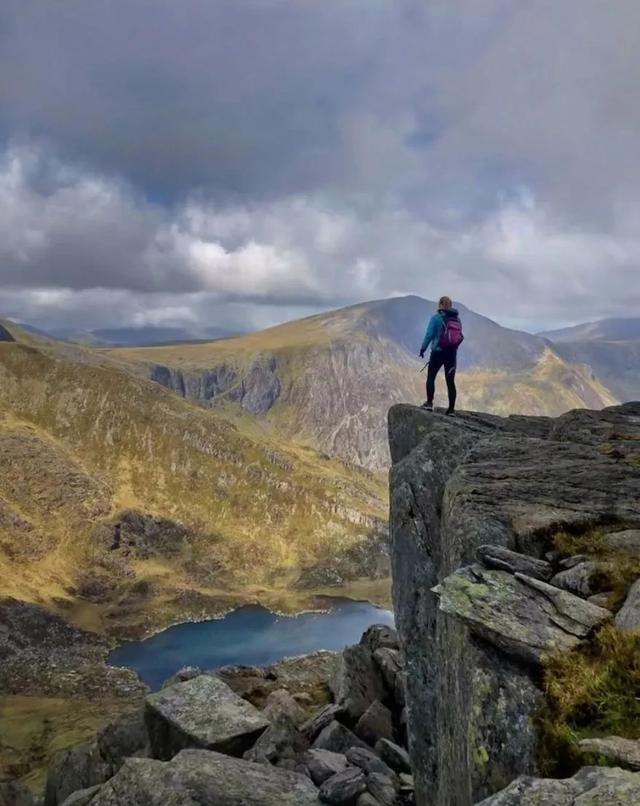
{"x": 239, "y": 162}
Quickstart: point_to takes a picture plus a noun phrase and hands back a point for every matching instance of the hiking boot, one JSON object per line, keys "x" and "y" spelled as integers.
{"x": 428, "y": 406}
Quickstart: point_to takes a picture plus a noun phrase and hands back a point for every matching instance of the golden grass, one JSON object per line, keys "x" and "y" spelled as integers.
{"x": 34, "y": 729}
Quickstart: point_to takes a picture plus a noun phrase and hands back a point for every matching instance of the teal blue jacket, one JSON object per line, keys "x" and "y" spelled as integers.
{"x": 432, "y": 336}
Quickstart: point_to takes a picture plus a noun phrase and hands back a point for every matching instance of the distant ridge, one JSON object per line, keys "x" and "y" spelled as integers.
{"x": 328, "y": 380}
{"x": 614, "y": 329}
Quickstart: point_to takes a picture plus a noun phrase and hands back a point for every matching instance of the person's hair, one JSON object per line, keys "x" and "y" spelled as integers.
{"x": 444, "y": 303}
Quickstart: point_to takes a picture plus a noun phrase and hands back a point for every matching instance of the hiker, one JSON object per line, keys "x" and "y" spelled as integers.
{"x": 444, "y": 336}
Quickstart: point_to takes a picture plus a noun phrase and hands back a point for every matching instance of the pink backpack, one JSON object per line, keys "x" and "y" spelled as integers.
{"x": 451, "y": 335}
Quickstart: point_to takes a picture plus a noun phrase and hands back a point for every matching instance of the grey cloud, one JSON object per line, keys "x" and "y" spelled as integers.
{"x": 290, "y": 155}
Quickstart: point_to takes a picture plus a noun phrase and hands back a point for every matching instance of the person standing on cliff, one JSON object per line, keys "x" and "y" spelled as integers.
{"x": 443, "y": 336}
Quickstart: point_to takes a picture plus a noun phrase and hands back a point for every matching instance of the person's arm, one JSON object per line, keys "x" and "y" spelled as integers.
{"x": 430, "y": 335}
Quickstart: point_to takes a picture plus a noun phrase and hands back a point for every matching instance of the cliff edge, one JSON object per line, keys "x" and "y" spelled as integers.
{"x": 488, "y": 518}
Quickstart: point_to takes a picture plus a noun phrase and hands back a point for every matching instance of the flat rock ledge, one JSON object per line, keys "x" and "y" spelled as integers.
{"x": 522, "y": 616}
{"x": 623, "y": 752}
{"x": 592, "y": 786}
{"x": 205, "y": 778}
{"x": 201, "y": 713}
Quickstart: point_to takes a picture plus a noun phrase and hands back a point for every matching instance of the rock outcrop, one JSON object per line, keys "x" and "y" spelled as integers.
{"x": 474, "y": 503}
{"x": 592, "y": 786}
{"x": 184, "y": 747}
{"x": 202, "y": 713}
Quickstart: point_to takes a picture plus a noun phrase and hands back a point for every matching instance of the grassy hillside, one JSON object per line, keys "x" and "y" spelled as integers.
{"x": 210, "y": 513}
{"x": 327, "y": 381}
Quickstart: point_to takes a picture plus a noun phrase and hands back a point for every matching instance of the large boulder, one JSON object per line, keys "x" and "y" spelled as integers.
{"x": 343, "y": 787}
{"x": 393, "y": 756}
{"x": 578, "y": 579}
{"x": 204, "y": 778}
{"x": 89, "y": 765}
{"x": 376, "y": 723}
{"x": 620, "y": 752}
{"x": 79, "y": 768}
{"x": 390, "y": 664}
{"x": 592, "y": 786}
{"x": 504, "y": 559}
{"x": 322, "y": 764}
{"x": 337, "y": 738}
{"x": 628, "y": 617}
{"x": 522, "y": 616}
{"x": 368, "y": 761}
{"x": 280, "y": 744}
{"x": 202, "y": 713}
{"x": 627, "y": 541}
{"x": 357, "y": 681}
{"x": 318, "y": 722}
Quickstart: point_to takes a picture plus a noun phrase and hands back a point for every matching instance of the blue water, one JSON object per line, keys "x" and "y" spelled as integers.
{"x": 250, "y": 635}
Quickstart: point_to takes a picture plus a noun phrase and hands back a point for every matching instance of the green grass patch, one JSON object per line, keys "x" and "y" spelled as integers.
{"x": 591, "y": 691}
{"x": 616, "y": 570}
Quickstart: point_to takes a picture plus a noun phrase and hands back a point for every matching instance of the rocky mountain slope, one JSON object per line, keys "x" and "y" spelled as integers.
{"x": 327, "y": 381}
{"x": 516, "y": 560}
{"x": 611, "y": 347}
{"x": 125, "y": 507}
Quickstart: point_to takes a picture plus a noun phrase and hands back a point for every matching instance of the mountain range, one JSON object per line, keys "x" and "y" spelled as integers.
{"x": 327, "y": 381}
{"x": 148, "y": 484}
{"x": 611, "y": 347}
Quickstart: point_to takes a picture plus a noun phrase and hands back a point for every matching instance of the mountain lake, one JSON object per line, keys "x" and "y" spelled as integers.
{"x": 250, "y": 635}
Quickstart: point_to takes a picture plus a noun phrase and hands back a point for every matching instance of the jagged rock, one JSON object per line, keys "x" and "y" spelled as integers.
{"x": 393, "y": 755}
{"x": 79, "y": 768}
{"x": 383, "y": 788}
{"x": 343, "y": 787}
{"x": 600, "y": 599}
{"x": 281, "y": 742}
{"x": 627, "y": 541}
{"x": 281, "y": 704}
{"x": 357, "y": 681}
{"x": 368, "y": 761}
{"x": 592, "y": 786}
{"x": 366, "y": 799}
{"x": 11, "y": 793}
{"x": 376, "y": 723}
{"x": 205, "y": 778}
{"x": 322, "y": 764}
{"x": 205, "y": 713}
{"x": 504, "y": 559}
{"x": 123, "y": 738}
{"x": 338, "y": 738}
{"x": 628, "y": 617}
{"x": 390, "y": 665}
{"x": 82, "y": 797}
{"x": 378, "y": 636}
{"x": 522, "y": 616}
{"x": 319, "y": 721}
{"x": 571, "y": 562}
{"x": 407, "y": 783}
{"x": 454, "y": 486}
{"x": 623, "y": 752}
{"x": 577, "y": 579}
{"x": 182, "y": 675}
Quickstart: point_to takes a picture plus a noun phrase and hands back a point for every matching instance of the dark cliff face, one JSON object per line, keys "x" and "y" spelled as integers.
{"x": 473, "y": 674}
{"x": 5, "y": 335}
{"x": 256, "y": 389}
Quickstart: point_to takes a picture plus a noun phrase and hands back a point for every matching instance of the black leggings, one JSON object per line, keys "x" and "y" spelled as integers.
{"x": 446, "y": 359}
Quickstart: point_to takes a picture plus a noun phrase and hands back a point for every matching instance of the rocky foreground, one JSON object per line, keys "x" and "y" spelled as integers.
{"x": 325, "y": 728}
{"x": 516, "y": 563}
{"x": 516, "y": 557}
